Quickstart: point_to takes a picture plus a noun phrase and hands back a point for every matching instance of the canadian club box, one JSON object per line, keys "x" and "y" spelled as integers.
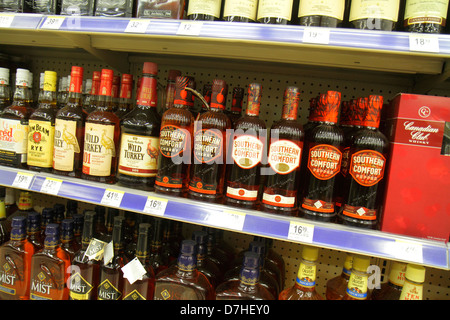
{"x": 417, "y": 195}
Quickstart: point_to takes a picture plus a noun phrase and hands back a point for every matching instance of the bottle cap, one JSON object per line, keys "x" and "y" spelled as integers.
{"x": 290, "y": 103}
{"x": 77, "y": 72}
{"x": 310, "y": 253}
{"x": 373, "y": 112}
{"x": 47, "y": 214}
{"x": 199, "y": 236}
{"x": 76, "y": 79}
{"x": 88, "y": 86}
{"x": 257, "y": 247}
{"x": 19, "y": 222}
{"x": 328, "y": 106}
{"x": 219, "y": 94}
{"x": 173, "y": 74}
{"x": 78, "y": 220}
{"x": 415, "y": 273}
{"x": 183, "y": 96}
{"x": 67, "y": 224}
{"x": 360, "y": 110}
{"x": 96, "y": 76}
{"x": 254, "y": 99}
{"x": 150, "y": 68}
{"x": 251, "y": 260}
{"x": 237, "y": 99}
{"x": 360, "y": 263}
{"x": 4, "y": 76}
{"x": 52, "y": 229}
{"x": 127, "y": 78}
{"x": 22, "y": 77}
{"x": 89, "y": 216}
{"x": 41, "y": 80}
{"x": 34, "y": 218}
{"x": 118, "y": 220}
{"x": 188, "y": 247}
{"x": 144, "y": 228}
{"x": 348, "y": 264}
{"x": 49, "y": 81}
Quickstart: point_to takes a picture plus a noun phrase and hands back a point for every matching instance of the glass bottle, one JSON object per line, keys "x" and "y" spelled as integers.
{"x": 5, "y": 90}
{"x": 69, "y": 130}
{"x": 68, "y": 242}
{"x": 413, "y": 286}
{"x": 275, "y": 12}
{"x": 108, "y": 8}
{"x": 367, "y": 157}
{"x": 142, "y": 289}
{"x": 50, "y": 7}
{"x": 139, "y": 142}
{"x": 153, "y": 9}
{"x": 87, "y": 92}
{"x": 202, "y": 10}
{"x": 240, "y": 11}
{"x": 61, "y": 95}
{"x": 47, "y": 215}
{"x": 425, "y": 16}
{"x": 49, "y": 268}
{"x": 24, "y": 206}
{"x": 99, "y": 223}
{"x": 34, "y": 234}
{"x": 157, "y": 260}
{"x": 59, "y": 210}
{"x": 373, "y": 15}
{"x": 210, "y": 141}
{"x": 391, "y": 289}
{"x": 285, "y": 148}
{"x": 175, "y": 144}
{"x": 15, "y": 259}
{"x": 77, "y": 7}
{"x": 125, "y": 102}
{"x": 274, "y": 260}
{"x": 204, "y": 264}
{"x": 246, "y": 149}
{"x": 321, "y": 13}
{"x": 102, "y": 134}
{"x": 336, "y": 287}
{"x": 13, "y": 6}
{"x": 207, "y": 91}
{"x": 170, "y": 88}
{"x": 71, "y": 208}
{"x": 94, "y": 94}
{"x": 109, "y": 223}
{"x": 14, "y": 125}
{"x": 5, "y": 229}
{"x": 357, "y": 283}
{"x": 78, "y": 222}
{"x": 41, "y": 125}
{"x": 10, "y": 201}
{"x": 247, "y": 286}
{"x": 111, "y": 275}
{"x": 236, "y": 105}
{"x": 182, "y": 281}
{"x": 323, "y": 163}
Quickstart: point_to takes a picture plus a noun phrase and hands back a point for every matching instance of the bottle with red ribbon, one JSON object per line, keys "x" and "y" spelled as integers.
{"x": 210, "y": 141}
{"x": 139, "y": 142}
{"x": 367, "y": 162}
{"x": 125, "y": 102}
{"x": 175, "y": 141}
{"x": 101, "y": 137}
{"x": 324, "y": 147}
{"x": 285, "y": 150}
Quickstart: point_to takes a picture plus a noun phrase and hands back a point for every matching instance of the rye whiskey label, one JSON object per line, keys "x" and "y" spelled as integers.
{"x": 173, "y": 141}
{"x": 367, "y": 167}
{"x": 208, "y": 145}
{"x": 247, "y": 151}
{"x": 138, "y": 155}
{"x": 284, "y": 156}
{"x": 65, "y": 145}
{"x": 13, "y": 142}
{"x": 40, "y": 143}
{"x": 324, "y": 161}
{"x": 99, "y": 149}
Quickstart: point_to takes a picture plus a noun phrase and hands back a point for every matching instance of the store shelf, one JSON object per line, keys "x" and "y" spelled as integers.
{"x": 296, "y": 230}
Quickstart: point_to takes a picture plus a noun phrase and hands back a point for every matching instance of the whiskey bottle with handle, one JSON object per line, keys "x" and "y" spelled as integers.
{"x": 413, "y": 286}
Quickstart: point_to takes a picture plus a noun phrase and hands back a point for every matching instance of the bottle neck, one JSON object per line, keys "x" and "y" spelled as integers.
{"x": 249, "y": 276}
{"x": 147, "y": 96}
{"x": 20, "y": 95}
{"x": 187, "y": 262}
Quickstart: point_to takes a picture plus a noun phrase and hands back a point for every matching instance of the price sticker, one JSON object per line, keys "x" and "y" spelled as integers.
{"x": 407, "y": 250}
{"x": 133, "y": 270}
{"x": 155, "y": 206}
{"x": 423, "y": 43}
{"x": 6, "y": 20}
{"x": 108, "y": 253}
{"x": 51, "y": 186}
{"x": 301, "y": 232}
{"x": 189, "y": 28}
{"x": 316, "y": 35}
{"x": 95, "y": 250}
{"x": 23, "y": 180}
{"x": 137, "y": 26}
{"x": 53, "y": 22}
{"x": 226, "y": 219}
{"x": 112, "y": 198}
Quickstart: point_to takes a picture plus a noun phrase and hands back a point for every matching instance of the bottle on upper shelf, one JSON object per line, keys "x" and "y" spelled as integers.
{"x": 204, "y": 10}
{"x": 170, "y": 88}
{"x": 77, "y": 7}
{"x": 5, "y": 228}
{"x": 326, "y": 13}
{"x": 125, "y": 101}
{"x": 68, "y": 241}
{"x": 5, "y": 89}
{"x": 357, "y": 288}
{"x": 373, "y": 15}
{"x": 240, "y": 11}
{"x": 425, "y": 16}
{"x": 44, "y": 7}
{"x": 153, "y": 9}
{"x": 413, "y": 285}
{"x": 391, "y": 289}
{"x": 108, "y": 8}
{"x": 336, "y": 287}
{"x": 275, "y": 12}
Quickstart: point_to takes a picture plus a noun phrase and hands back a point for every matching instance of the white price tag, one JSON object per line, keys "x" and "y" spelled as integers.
{"x": 301, "y": 232}
{"x": 23, "y": 180}
{"x": 112, "y": 198}
{"x": 423, "y": 43}
{"x": 6, "y": 20}
{"x": 51, "y": 185}
{"x": 53, "y": 22}
{"x": 316, "y": 35}
{"x": 108, "y": 253}
{"x": 155, "y": 206}
{"x": 95, "y": 249}
{"x": 189, "y": 28}
{"x": 137, "y": 26}
{"x": 226, "y": 219}
{"x": 410, "y": 251}
{"x": 133, "y": 270}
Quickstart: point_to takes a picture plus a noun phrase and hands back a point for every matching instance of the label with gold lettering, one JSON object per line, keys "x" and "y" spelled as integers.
{"x": 411, "y": 291}
{"x": 367, "y": 167}
{"x": 173, "y": 140}
{"x": 65, "y": 145}
{"x": 13, "y": 142}
{"x": 40, "y": 143}
{"x": 357, "y": 286}
{"x": 138, "y": 155}
{"x": 306, "y": 276}
{"x": 324, "y": 161}
{"x": 99, "y": 149}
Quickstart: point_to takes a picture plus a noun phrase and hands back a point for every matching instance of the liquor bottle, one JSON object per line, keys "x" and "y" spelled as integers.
{"x": 182, "y": 281}
{"x": 247, "y": 286}
{"x": 236, "y": 105}
{"x": 102, "y": 134}
{"x": 391, "y": 289}
{"x": 77, "y": 7}
{"x": 24, "y": 206}
{"x": 5, "y": 90}
{"x": 108, "y": 8}
{"x": 304, "y": 287}
{"x": 215, "y": 251}
{"x": 372, "y": 15}
{"x": 285, "y": 148}
{"x": 49, "y": 268}
{"x": 10, "y": 201}
{"x": 321, "y": 13}
{"x": 109, "y": 223}
{"x": 274, "y": 259}
{"x": 324, "y": 162}
{"x": 15, "y": 259}
{"x": 85, "y": 269}
{"x": 275, "y": 12}
{"x": 413, "y": 286}
{"x": 139, "y": 140}
{"x": 170, "y": 88}
{"x": 78, "y": 222}
{"x": 14, "y": 125}
{"x": 49, "y": 7}
{"x": 99, "y": 223}
{"x": 69, "y": 130}
{"x": 59, "y": 210}
{"x": 207, "y": 91}
{"x": 357, "y": 283}
{"x": 425, "y": 17}
{"x": 125, "y": 102}
{"x": 143, "y": 288}
{"x": 68, "y": 242}
{"x": 111, "y": 275}
{"x": 175, "y": 144}
{"x": 240, "y": 11}
{"x": 154, "y": 9}
{"x": 61, "y": 94}
{"x": 87, "y": 88}
{"x": 247, "y": 148}
{"x": 71, "y": 208}
{"x": 367, "y": 157}
{"x": 34, "y": 234}
{"x": 94, "y": 94}
{"x": 170, "y": 251}
{"x": 5, "y": 229}
{"x": 47, "y": 215}
{"x": 336, "y": 287}
{"x": 157, "y": 260}
{"x": 41, "y": 125}
{"x": 206, "y": 11}
{"x": 210, "y": 141}
{"x": 204, "y": 264}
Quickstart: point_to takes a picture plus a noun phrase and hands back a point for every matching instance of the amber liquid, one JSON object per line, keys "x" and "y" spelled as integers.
{"x": 298, "y": 292}
{"x": 89, "y": 270}
{"x": 140, "y": 289}
{"x": 113, "y": 276}
{"x": 337, "y": 287}
{"x": 236, "y": 290}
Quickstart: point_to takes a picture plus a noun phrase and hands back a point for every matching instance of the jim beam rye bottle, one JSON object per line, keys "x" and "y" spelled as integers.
{"x": 286, "y": 144}
{"x": 139, "y": 141}
{"x": 208, "y": 166}
{"x": 101, "y": 137}
{"x": 175, "y": 144}
{"x": 247, "y": 146}
{"x": 367, "y": 158}
{"x": 324, "y": 161}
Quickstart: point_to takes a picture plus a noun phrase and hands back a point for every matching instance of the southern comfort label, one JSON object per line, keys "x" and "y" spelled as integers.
{"x": 138, "y": 155}
{"x": 324, "y": 161}
{"x": 40, "y": 143}
{"x": 172, "y": 140}
{"x": 367, "y": 167}
{"x": 99, "y": 149}
{"x": 65, "y": 145}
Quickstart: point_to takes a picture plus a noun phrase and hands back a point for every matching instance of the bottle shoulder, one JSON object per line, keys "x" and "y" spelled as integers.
{"x": 327, "y": 133}
{"x": 249, "y": 122}
{"x": 370, "y": 139}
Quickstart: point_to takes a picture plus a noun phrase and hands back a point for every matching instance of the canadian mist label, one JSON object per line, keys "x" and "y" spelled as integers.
{"x": 324, "y": 161}
{"x": 40, "y": 143}
{"x": 138, "y": 155}
{"x": 65, "y": 145}
{"x": 284, "y": 156}
{"x": 79, "y": 287}
{"x": 99, "y": 149}
{"x": 247, "y": 151}
{"x": 367, "y": 167}
{"x": 173, "y": 140}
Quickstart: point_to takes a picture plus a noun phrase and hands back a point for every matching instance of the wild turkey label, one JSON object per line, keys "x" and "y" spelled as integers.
{"x": 65, "y": 145}
{"x": 40, "y": 143}
{"x": 138, "y": 155}
{"x": 99, "y": 149}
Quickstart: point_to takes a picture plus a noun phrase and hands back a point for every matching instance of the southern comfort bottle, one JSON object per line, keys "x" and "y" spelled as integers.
{"x": 247, "y": 147}
{"x": 175, "y": 144}
{"x": 286, "y": 145}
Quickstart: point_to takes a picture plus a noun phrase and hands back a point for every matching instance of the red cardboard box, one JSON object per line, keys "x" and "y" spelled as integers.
{"x": 417, "y": 194}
